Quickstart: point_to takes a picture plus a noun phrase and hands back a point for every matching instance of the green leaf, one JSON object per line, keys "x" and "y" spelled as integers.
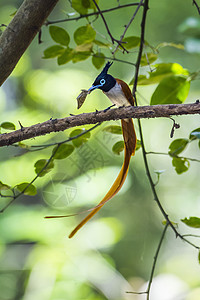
{"x": 79, "y": 56}
{"x": 65, "y": 57}
{"x": 4, "y": 186}
{"x": 116, "y": 129}
{"x": 177, "y": 146}
{"x": 138, "y": 145}
{"x": 59, "y": 35}
{"x": 80, "y": 140}
{"x": 174, "y": 45}
{"x": 171, "y": 90}
{"x": 30, "y": 190}
{"x": 195, "y": 134}
{"x": 63, "y": 151}
{"x": 23, "y": 146}
{"x": 193, "y": 222}
{"x": 181, "y": 164}
{"x": 84, "y": 34}
{"x": 8, "y": 125}
{"x": 98, "y": 60}
{"x": 84, "y": 47}
{"x": 53, "y": 51}
{"x": 101, "y": 44}
{"x": 82, "y": 6}
{"x": 199, "y": 257}
{"x": 160, "y": 72}
{"x": 118, "y": 147}
{"x": 131, "y": 42}
{"x": 40, "y": 164}
{"x": 148, "y": 58}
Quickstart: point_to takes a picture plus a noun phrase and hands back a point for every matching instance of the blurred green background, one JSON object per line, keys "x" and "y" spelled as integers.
{"x": 114, "y": 252}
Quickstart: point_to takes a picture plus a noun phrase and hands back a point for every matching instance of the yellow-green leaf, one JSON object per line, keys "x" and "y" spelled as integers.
{"x": 84, "y": 34}
{"x": 26, "y": 188}
{"x": 63, "y": 151}
{"x": 77, "y": 142}
{"x": 118, "y": 147}
{"x": 40, "y": 165}
{"x": 8, "y": 125}
{"x": 171, "y": 90}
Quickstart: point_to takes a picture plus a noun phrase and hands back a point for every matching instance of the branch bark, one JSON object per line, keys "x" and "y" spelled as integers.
{"x": 20, "y": 32}
{"x": 139, "y": 112}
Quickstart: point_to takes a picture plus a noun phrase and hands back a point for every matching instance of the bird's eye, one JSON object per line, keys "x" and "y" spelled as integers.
{"x": 102, "y": 81}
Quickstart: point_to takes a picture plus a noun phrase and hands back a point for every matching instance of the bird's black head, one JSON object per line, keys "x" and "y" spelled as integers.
{"x": 104, "y": 81}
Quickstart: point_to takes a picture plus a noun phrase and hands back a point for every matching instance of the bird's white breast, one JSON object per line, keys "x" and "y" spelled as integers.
{"x": 117, "y": 96}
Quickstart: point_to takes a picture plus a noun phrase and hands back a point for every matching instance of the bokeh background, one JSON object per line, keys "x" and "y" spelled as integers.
{"x": 114, "y": 253}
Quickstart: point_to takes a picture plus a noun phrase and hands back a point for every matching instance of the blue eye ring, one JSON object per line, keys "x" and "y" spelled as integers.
{"x": 102, "y": 81}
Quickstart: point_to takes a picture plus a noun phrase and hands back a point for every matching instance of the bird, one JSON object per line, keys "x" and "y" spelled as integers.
{"x": 120, "y": 95}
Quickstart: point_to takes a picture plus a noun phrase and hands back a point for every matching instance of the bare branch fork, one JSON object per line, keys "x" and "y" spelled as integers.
{"x": 139, "y": 112}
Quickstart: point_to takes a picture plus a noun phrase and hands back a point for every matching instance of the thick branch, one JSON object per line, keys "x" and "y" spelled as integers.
{"x": 55, "y": 125}
{"x": 20, "y": 32}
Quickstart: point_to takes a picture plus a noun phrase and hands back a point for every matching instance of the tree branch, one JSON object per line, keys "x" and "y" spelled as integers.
{"x": 55, "y": 125}
{"x": 20, "y": 32}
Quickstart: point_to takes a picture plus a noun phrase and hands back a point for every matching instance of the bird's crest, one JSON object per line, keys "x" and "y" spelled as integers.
{"x": 107, "y": 66}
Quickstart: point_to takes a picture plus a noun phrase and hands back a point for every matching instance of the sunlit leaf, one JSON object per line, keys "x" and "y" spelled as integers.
{"x": 173, "y": 89}
{"x": 65, "y": 57}
{"x": 193, "y": 222}
{"x": 84, "y": 34}
{"x": 118, "y": 147}
{"x": 59, "y": 35}
{"x": 84, "y": 47}
{"x": 23, "y": 146}
{"x": 148, "y": 58}
{"x": 8, "y": 125}
{"x": 82, "y": 6}
{"x": 174, "y": 45}
{"x": 98, "y": 60}
{"x": 4, "y": 186}
{"x": 78, "y": 5}
{"x": 116, "y": 129}
{"x": 181, "y": 164}
{"x": 63, "y": 151}
{"x": 79, "y": 56}
{"x": 177, "y": 146}
{"x": 40, "y": 164}
{"x": 53, "y": 51}
{"x": 161, "y": 71}
{"x": 131, "y": 42}
{"x": 26, "y": 188}
{"x": 195, "y": 134}
{"x": 101, "y": 44}
{"x": 80, "y": 140}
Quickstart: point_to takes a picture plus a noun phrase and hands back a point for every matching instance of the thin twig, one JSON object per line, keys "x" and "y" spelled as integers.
{"x": 155, "y": 260}
{"x": 197, "y": 6}
{"x": 107, "y": 28}
{"x": 170, "y": 155}
{"x": 96, "y": 13}
{"x": 128, "y": 25}
{"x": 152, "y": 185}
{"x": 153, "y": 266}
{"x": 14, "y": 197}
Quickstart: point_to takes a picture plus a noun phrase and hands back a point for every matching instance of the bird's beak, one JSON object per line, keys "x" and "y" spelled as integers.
{"x": 93, "y": 87}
